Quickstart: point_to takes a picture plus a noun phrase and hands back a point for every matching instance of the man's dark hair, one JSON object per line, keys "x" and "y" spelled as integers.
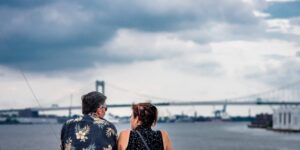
{"x": 92, "y": 101}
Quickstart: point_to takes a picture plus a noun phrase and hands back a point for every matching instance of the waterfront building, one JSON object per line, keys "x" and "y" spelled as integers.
{"x": 287, "y": 118}
{"x": 262, "y": 121}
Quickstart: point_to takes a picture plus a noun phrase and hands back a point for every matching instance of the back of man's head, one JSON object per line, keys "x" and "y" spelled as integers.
{"x": 92, "y": 101}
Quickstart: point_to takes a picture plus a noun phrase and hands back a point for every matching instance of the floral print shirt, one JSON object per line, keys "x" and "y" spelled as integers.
{"x": 88, "y": 133}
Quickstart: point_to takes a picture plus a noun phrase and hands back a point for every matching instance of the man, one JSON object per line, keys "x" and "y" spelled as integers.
{"x": 91, "y": 131}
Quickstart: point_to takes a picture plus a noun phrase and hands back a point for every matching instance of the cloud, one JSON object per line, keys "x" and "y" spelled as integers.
{"x": 63, "y": 35}
{"x": 197, "y": 64}
{"x": 298, "y": 54}
{"x": 176, "y": 52}
{"x": 284, "y": 26}
{"x": 282, "y": 19}
{"x": 134, "y": 45}
{"x": 266, "y": 61}
{"x": 24, "y": 4}
{"x": 285, "y": 72}
{"x": 182, "y": 50}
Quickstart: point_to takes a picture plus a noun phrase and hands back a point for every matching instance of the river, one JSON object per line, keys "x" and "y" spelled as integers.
{"x": 194, "y": 136}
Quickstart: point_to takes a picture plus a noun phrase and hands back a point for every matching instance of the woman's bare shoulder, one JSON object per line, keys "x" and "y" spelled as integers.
{"x": 164, "y": 133}
{"x": 125, "y": 133}
{"x": 166, "y": 140}
{"x": 123, "y": 139}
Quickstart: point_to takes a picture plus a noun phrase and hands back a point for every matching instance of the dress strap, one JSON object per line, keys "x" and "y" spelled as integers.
{"x": 140, "y": 135}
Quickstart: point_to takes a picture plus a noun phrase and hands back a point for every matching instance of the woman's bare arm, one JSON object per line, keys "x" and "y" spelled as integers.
{"x": 166, "y": 140}
{"x": 123, "y": 139}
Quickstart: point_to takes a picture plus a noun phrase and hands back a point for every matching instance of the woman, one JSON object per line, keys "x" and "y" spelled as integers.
{"x": 142, "y": 137}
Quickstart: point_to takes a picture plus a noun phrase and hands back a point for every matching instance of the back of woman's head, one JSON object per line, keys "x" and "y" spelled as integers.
{"x": 146, "y": 112}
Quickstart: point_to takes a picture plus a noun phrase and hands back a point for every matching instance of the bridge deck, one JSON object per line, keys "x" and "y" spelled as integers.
{"x": 196, "y": 103}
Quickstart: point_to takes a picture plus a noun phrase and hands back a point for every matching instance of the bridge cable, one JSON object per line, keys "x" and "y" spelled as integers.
{"x": 143, "y": 95}
{"x": 38, "y": 102}
{"x": 79, "y": 90}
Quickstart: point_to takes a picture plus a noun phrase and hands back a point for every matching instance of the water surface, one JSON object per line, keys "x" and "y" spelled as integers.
{"x": 196, "y": 136}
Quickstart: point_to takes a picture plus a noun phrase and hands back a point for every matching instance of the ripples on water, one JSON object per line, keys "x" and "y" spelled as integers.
{"x": 196, "y": 136}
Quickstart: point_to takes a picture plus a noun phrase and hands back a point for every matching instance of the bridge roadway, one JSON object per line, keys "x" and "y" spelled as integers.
{"x": 191, "y": 103}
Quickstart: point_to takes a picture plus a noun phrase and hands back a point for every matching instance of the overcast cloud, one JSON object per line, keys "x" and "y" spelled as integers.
{"x": 35, "y": 33}
{"x": 154, "y": 47}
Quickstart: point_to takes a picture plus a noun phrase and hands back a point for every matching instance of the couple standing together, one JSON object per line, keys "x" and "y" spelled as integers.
{"x": 93, "y": 132}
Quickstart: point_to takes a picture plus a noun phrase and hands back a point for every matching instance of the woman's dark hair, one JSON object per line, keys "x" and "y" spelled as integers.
{"x": 92, "y": 101}
{"x": 146, "y": 113}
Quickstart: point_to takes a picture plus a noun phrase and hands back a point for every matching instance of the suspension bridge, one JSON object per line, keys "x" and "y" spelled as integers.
{"x": 288, "y": 95}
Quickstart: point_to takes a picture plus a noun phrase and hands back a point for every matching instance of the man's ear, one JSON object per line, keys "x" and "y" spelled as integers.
{"x": 98, "y": 111}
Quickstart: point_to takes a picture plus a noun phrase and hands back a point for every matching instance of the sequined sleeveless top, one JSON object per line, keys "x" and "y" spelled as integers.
{"x": 152, "y": 138}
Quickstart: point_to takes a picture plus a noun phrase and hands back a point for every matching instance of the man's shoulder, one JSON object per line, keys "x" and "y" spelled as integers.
{"x": 93, "y": 122}
{"x": 74, "y": 120}
{"x": 110, "y": 130}
{"x": 103, "y": 122}
{"x": 110, "y": 123}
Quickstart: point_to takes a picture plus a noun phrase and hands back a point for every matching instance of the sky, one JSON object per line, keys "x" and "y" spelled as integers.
{"x": 172, "y": 50}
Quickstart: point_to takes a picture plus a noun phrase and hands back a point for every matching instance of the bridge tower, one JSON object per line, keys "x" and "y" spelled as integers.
{"x": 102, "y": 84}
{"x": 70, "y": 108}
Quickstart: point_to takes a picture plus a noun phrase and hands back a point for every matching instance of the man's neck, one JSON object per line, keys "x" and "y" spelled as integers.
{"x": 95, "y": 115}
